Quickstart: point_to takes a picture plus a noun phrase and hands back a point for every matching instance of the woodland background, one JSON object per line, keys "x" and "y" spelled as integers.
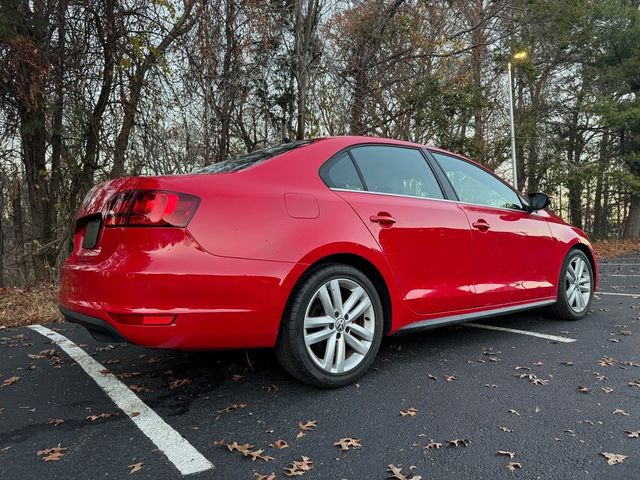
{"x": 95, "y": 89}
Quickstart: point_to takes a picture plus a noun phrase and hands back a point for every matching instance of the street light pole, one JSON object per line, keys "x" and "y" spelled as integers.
{"x": 513, "y": 130}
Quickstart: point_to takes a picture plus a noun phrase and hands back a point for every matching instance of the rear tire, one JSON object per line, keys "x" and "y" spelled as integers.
{"x": 575, "y": 287}
{"x": 332, "y": 328}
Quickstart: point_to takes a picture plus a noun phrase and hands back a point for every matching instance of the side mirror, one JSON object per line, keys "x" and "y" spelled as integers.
{"x": 538, "y": 201}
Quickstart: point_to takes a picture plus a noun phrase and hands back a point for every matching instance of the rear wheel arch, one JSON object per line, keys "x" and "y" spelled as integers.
{"x": 362, "y": 264}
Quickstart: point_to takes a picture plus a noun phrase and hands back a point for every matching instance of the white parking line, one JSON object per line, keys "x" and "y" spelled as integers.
{"x": 178, "y": 450}
{"x": 522, "y": 332}
{"x": 633, "y": 295}
{"x": 619, "y": 264}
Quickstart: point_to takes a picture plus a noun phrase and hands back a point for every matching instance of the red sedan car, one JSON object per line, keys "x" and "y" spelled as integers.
{"x": 318, "y": 248}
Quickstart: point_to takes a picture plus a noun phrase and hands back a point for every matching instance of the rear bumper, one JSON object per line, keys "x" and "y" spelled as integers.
{"x": 217, "y": 302}
{"x": 98, "y": 328}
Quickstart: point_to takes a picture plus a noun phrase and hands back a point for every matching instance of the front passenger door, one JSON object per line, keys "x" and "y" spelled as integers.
{"x": 512, "y": 248}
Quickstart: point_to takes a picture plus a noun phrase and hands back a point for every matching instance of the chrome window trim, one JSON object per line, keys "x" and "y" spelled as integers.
{"x": 428, "y": 198}
{"x": 438, "y": 322}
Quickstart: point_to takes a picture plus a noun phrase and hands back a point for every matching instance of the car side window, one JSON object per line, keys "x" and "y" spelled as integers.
{"x": 474, "y": 185}
{"x": 341, "y": 173}
{"x": 396, "y": 170}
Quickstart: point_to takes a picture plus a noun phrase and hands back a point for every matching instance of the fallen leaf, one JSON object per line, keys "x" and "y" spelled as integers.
{"x": 507, "y": 453}
{"x": 271, "y": 388}
{"x": 619, "y": 411}
{"x": 271, "y": 476}
{"x": 237, "y": 377}
{"x": 93, "y": 418}
{"x": 235, "y": 406}
{"x": 635, "y": 434}
{"x": 52, "y": 454}
{"x": 300, "y": 435}
{"x": 515, "y": 412}
{"x": 152, "y": 360}
{"x": 280, "y": 444}
{"x": 408, "y": 412}
{"x": 139, "y": 388}
{"x": 346, "y": 443}
{"x": 10, "y": 381}
{"x": 634, "y": 383}
{"x": 125, "y": 375}
{"x": 432, "y": 377}
{"x": 244, "y": 449}
{"x": 55, "y": 421}
{"x": 613, "y": 458}
{"x": 513, "y": 466}
{"x": 299, "y": 467}
{"x": 522, "y": 368}
{"x": 450, "y": 378}
{"x": 433, "y": 445}
{"x": 178, "y": 382}
{"x": 505, "y": 429}
{"x": 458, "y": 442}
{"x": 136, "y": 467}
{"x": 600, "y": 377}
{"x": 396, "y": 473}
{"x": 606, "y": 362}
{"x": 582, "y": 389}
{"x": 538, "y": 381}
{"x": 306, "y": 426}
{"x": 258, "y": 454}
{"x": 493, "y": 385}
{"x": 607, "y": 389}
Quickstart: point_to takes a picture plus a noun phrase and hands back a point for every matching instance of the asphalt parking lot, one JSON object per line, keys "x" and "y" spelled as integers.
{"x": 555, "y": 406}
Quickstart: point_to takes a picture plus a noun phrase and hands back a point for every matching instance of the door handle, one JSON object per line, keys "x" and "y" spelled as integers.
{"x": 481, "y": 225}
{"x": 383, "y": 218}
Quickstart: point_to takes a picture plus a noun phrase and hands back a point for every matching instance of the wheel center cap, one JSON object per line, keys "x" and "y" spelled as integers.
{"x": 340, "y": 324}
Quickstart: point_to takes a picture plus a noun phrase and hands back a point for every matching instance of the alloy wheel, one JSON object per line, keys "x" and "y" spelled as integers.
{"x": 578, "y": 284}
{"x": 339, "y": 325}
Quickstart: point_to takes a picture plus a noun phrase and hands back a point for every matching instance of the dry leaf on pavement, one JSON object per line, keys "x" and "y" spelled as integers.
{"x": 306, "y": 426}
{"x": 136, "y": 467}
{"x": 346, "y": 443}
{"x": 506, "y": 453}
{"x": 178, "y": 382}
{"x": 396, "y": 473}
{"x": 408, "y": 412}
{"x": 631, "y": 434}
{"x": 55, "y": 421}
{"x": 433, "y": 445}
{"x": 235, "y": 406}
{"x": 458, "y": 442}
{"x": 299, "y": 467}
{"x": 280, "y": 444}
{"x": 259, "y": 476}
{"x": 52, "y": 454}
{"x": 139, "y": 388}
{"x": 619, "y": 411}
{"x": 513, "y": 466}
{"x": 93, "y": 418}
{"x": 10, "y": 381}
{"x": 613, "y": 458}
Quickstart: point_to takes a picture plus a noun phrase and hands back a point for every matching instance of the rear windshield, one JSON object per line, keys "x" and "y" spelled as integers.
{"x": 244, "y": 161}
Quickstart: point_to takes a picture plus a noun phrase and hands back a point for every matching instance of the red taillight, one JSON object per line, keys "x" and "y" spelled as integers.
{"x": 152, "y": 208}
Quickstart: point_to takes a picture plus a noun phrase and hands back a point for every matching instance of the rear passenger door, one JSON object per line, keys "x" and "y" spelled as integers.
{"x": 426, "y": 240}
{"x": 512, "y": 248}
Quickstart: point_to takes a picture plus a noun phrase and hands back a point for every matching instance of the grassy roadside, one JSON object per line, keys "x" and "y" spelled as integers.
{"x": 39, "y": 304}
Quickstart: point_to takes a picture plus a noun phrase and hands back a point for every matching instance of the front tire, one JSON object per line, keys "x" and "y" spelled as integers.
{"x": 332, "y": 328}
{"x": 575, "y": 288}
